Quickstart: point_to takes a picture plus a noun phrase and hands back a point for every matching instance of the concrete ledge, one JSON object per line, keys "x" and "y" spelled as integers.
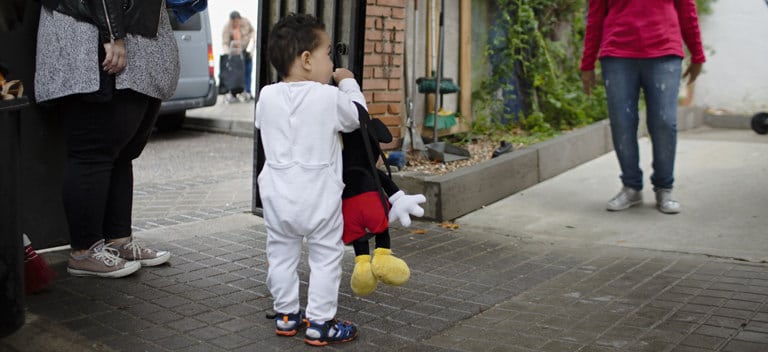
{"x": 233, "y": 127}
{"x": 727, "y": 120}
{"x": 573, "y": 149}
{"x": 463, "y": 191}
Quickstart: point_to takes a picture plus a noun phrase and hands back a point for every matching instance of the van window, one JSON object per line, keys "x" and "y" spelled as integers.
{"x": 192, "y": 24}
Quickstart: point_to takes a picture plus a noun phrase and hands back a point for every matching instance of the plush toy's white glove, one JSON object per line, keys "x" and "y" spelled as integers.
{"x": 404, "y": 205}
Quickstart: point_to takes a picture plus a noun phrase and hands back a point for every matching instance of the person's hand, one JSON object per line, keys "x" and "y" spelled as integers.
{"x": 404, "y": 205}
{"x": 692, "y": 72}
{"x": 588, "y": 81}
{"x": 342, "y": 73}
{"x": 116, "y": 59}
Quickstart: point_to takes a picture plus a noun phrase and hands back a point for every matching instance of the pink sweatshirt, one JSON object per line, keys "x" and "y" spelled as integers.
{"x": 641, "y": 29}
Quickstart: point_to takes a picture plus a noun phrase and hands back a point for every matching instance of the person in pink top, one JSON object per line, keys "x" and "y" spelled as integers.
{"x": 640, "y": 46}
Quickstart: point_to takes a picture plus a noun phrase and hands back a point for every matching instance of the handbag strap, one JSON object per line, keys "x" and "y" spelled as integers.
{"x": 372, "y": 158}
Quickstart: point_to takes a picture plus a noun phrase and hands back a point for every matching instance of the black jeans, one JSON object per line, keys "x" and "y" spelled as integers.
{"x": 102, "y": 141}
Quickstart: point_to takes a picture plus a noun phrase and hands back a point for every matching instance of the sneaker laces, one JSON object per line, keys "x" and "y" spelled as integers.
{"x": 136, "y": 247}
{"x": 107, "y": 255}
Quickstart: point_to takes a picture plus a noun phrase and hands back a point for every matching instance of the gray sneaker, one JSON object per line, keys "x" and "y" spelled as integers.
{"x": 665, "y": 203}
{"x": 626, "y": 198}
{"x": 101, "y": 260}
{"x": 137, "y": 251}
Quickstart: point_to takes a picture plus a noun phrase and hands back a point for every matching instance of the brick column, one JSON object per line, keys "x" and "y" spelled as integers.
{"x": 383, "y": 63}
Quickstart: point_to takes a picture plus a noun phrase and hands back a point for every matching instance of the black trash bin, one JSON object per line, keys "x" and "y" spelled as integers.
{"x": 11, "y": 248}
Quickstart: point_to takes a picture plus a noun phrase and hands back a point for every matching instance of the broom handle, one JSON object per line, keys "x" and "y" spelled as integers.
{"x": 439, "y": 78}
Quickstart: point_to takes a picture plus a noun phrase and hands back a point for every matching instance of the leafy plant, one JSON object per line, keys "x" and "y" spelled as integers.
{"x": 540, "y": 42}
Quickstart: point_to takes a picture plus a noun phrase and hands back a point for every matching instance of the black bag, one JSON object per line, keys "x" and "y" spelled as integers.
{"x": 141, "y": 17}
{"x": 231, "y": 74}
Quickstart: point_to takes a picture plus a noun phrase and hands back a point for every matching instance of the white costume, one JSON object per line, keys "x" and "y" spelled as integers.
{"x": 300, "y": 187}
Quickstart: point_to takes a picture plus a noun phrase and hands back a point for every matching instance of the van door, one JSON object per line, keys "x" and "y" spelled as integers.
{"x": 194, "y": 40}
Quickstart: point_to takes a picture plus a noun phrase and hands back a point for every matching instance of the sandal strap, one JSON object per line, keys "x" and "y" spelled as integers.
{"x": 344, "y": 330}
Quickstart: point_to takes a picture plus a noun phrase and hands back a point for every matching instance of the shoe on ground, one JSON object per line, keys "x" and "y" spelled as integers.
{"x": 626, "y": 198}
{"x": 101, "y": 260}
{"x": 329, "y": 332}
{"x": 246, "y": 96}
{"x": 665, "y": 203}
{"x": 231, "y": 99}
{"x": 137, "y": 251}
{"x": 289, "y": 324}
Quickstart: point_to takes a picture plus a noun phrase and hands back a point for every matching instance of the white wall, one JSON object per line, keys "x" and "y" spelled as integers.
{"x": 218, "y": 11}
{"x": 735, "y": 76}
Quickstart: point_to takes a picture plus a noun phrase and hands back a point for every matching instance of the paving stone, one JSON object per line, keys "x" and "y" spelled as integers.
{"x": 753, "y": 336}
{"x": 715, "y": 331}
{"x": 560, "y": 346}
{"x": 177, "y": 342}
{"x": 703, "y": 341}
{"x": 157, "y": 333}
{"x": 743, "y": 346}
{"x": 162, "y": 317}
{"x": 757, "y": 326}
{"x": 186, "y": 324}
{"x": 733, "y": 313}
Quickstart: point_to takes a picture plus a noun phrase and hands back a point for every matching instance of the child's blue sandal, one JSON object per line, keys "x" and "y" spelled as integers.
{"x": 289, "y": 324}
{"x": 331, "y": 331}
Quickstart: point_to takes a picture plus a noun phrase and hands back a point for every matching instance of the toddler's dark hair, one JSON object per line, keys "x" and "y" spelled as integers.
{"x": 291, "y": 36}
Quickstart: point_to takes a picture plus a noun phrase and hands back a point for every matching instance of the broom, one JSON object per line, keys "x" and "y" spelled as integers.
{"x": 37, "y": 274}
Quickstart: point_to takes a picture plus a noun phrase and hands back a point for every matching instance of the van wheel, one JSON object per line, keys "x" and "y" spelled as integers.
{"x": 171, "y": 122}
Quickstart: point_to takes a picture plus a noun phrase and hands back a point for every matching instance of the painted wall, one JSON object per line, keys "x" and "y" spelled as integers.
{"x": 735, "y": 76}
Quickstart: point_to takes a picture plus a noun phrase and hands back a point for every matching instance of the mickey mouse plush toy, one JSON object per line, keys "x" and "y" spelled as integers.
{"x": 369, "y": 200}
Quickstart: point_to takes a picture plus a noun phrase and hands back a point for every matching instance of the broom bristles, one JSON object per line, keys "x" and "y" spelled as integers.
{"x": 37, "y": 274}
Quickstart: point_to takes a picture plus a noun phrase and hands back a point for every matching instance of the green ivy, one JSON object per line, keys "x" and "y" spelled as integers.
{"x": 549, "y": 69}
{"x": 542, "y": 46}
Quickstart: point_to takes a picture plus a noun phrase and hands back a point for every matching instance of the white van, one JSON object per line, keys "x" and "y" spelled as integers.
{"x": 197, "y": 85}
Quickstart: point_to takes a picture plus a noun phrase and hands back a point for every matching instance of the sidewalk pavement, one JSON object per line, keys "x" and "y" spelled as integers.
{"x": 547, "y": 269}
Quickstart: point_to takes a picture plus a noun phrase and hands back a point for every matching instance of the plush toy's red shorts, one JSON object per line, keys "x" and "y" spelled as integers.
{"x": 363, "y": 212}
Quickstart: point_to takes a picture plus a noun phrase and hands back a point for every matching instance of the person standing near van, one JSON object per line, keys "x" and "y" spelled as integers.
{"x": 640, "y": 46}
{"x": 105, "y": 70}
{"x": 238, "y": 37}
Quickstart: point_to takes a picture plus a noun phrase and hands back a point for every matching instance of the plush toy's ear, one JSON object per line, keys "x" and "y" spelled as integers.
{"x": 380, "y": 131}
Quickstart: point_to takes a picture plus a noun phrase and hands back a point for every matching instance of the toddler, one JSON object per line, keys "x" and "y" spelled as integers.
{"x": 300, "y": 185}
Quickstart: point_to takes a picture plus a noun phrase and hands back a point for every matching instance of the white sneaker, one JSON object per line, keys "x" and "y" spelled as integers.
{"x": 625, "y": 199}
{"x": 101, "y": 260}
{"x": 137, "y": 251}
{"x": 665, "y": 203}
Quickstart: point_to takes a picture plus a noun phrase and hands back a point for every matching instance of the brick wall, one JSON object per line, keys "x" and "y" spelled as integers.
{"x": 383, "y": 63}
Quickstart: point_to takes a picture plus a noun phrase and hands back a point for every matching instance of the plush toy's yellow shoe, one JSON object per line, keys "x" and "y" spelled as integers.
{"x": 389, "y": 269}
{"x": 363, "y": 281}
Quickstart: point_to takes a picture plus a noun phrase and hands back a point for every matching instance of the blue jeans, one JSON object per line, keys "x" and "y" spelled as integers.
{"x": 660, "y": 80}
{"x": 248, "y": 71}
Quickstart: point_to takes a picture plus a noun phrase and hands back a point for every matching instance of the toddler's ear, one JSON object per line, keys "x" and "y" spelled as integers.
{"x": 380, "y": 131}
{"x": 306, "y": 60}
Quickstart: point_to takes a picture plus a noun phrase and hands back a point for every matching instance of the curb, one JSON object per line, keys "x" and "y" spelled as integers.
{"x": 234, "y": 127}
{"x": 724, "y": 119}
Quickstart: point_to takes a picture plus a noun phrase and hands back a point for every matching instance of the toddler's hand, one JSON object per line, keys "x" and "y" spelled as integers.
{"x": 342, "y": 73}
